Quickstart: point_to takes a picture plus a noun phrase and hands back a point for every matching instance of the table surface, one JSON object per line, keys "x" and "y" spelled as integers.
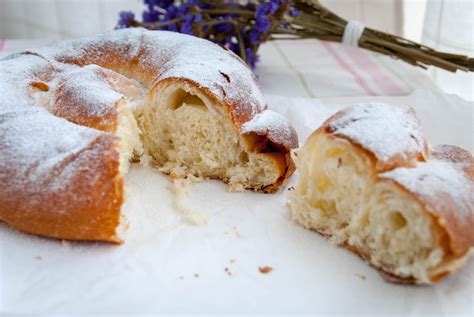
{"x": 158, "y": 267}
{"x": 168, "y": 266}
{"x": 312, "y": 68}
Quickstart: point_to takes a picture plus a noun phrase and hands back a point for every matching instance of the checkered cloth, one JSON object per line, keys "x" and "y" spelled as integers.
{"x": 312, "y": 68}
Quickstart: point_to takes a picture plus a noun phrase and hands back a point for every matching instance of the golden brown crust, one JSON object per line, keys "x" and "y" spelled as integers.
{"x": 345, "y": 124}
{"x": 388, "y": 276}
{"x": 455, "y": 229}
{"x": 442, "y": 184}
{"x": 63, "y": 215}
{"x": 87, "y": 207}
{"x": 456, "y": 224}
{"x": 275, "y": 147}
{"x": 76, "y": 108}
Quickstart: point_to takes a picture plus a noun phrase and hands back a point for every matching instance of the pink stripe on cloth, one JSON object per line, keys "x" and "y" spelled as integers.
{"x": 362, "y": 61}
{"x": 358, "y": 78}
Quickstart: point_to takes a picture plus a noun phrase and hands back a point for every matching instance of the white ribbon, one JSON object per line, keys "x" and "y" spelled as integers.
{"x": 352, "y": 33}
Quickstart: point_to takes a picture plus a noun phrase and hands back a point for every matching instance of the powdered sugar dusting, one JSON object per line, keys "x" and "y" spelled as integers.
{"x": 434, "y": 180}
{"x": 89, "y": 90}
{"x": 42, "y": 155}
{"x": 272, "y": 124}
{"x": 445, "y": 185}
{"x": 386, "y": 131}
{"x": 33, "y": 146}
{"x": 211, "y": 67}
{"x": 84, "y": 97}
{"x": 168, "y": 55}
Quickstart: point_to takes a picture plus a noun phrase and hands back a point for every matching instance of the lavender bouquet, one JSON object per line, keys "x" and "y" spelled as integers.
{"x": 242, "y": 26}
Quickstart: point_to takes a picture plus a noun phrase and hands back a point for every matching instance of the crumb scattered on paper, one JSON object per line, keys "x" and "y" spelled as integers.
{"x": 227, "y": 271}
{"x": 124, "y": 224}
{"x": 145, "y": 159}
{"x": 265, "y": 269}
{"x": 196, "y": 275}
{"x": 235, "y": 188}
{"x": 361, "y": 276}
{"x": 232, "y": 260}
{"x": 38, "y": 257}
{"x": 236, "y": 232}
{"x": 181, "y": 188}
{"x": 66, "y": 244}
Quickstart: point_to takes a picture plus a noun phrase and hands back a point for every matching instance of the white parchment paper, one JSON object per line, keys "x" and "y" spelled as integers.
{"x": 169, "y": 266}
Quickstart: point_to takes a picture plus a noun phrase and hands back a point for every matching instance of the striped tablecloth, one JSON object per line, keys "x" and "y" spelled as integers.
{"x": 312, "y": 68}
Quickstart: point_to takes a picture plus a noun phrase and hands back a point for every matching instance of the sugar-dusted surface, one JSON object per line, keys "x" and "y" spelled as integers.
{"x": 445, "y": 185}
{"x": 83, "y": 96}
{"x": 274, "y": 125}
{"x": 88, "y": 89}
{"x": 389, "y": 132}
{"x": 59, "y": 114}
{"x": 42, "y": 156}
{"x": 452, "y": 154}
{"x": 161, "y": 55}
{"x": 165, "y": 54}
{"x": 246, "y": 231}
{"x": 442, "y": 183}
{"x": 35, "y": 146}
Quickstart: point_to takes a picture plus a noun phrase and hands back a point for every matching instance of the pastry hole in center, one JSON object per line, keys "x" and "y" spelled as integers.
{"x": 397, "y": 220}
{"x": 181, "y": 97}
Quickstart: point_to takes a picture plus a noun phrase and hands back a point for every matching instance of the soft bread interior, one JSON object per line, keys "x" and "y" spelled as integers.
{"x": 338, "y": 194}
{"x": 131, "y": 146}
{"x": 188, "y": 134}
{"x": 176, "y": 124}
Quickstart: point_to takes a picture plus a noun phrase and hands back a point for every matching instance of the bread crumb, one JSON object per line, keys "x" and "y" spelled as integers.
{"x": 236, "y": 232}
{"x": 233, "y": 188}
{"x": 361, "y": 276}
{"x": 145, "y": 160}
{"x": 38, "y": 257}
{"x": 126, "y": 226}
{"x": 265, "y": 269}
{"x": 180, "y": 188}
{"x": 227, "y": 271}
{"x": 66, "y": 244}
{"x": 232, "y": 260}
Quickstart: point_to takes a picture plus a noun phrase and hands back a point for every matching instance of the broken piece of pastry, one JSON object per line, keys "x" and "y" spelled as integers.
{"x": 369, "y": 182}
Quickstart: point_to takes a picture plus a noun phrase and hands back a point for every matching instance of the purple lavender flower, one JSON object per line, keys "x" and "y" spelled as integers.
{"x": 224, "y": 28}
{"x": 252, "y": 57}
{"x": 294, "y": 12}
{"x": 197, "y": 17}
{"x": 186, "y": 27}
{"x": 229, "y": 29}
{"x": 158, "y": 3}
{"x": 262, "y": 23}
{"x": 151, "y": 15}
{"x": 254, "y": 36}
{"x": 263, "y": 13}
{"x": 124, "y": 19}
{"x": 183, "y": 9}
